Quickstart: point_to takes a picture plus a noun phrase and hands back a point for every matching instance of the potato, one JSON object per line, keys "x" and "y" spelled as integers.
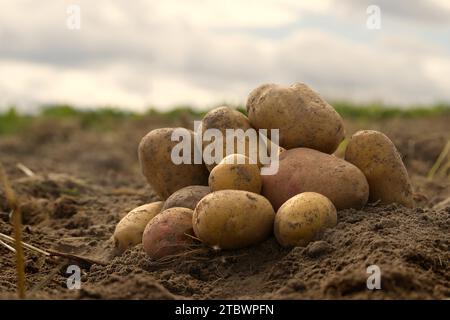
{"x": 163, "y": 175}
{"x": 129, "y": 230}
{"x": 237, "y": 173}
{"x": 306, "y": 170}
{"x": 376, "y": 156}
{"x": 303, "y": 218}
{"x": 231, "y": 219}
{"x": 188, "y": 197}
{"x": 302, "y": 116}
{"x": 167, "y": 234}
{"x": 223, "y": 118}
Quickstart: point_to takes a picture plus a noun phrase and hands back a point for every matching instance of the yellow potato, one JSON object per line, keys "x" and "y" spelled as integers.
{"x": 223, "y": 118}
{"x": 302, "y": 116}
{"x": 129, "y": 230}
{"x": 376, "y": 156}
{"x": 231, "y": 219}
{"x": 158, "y": 167}
{"x": 303, "y": 218}
{"x": 237, "y": 173}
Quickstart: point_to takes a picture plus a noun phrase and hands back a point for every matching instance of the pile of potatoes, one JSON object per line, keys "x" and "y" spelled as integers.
{"x": 230, "y": 205}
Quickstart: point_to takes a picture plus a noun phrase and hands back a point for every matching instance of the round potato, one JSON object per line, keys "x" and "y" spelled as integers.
{"x": 158, "y": 167}
{"x": 222, "y": 118}
{"x": 306, "y": 170}
{"x": 237, "y": 173}
{"x": 303, "y": 218}
{"x": 129, "y": 230}
{"x": 231, "y": 219}
{"x": 167, "y": 234}
{"x": 376, "y": 156}
{"x": 303, "y": 118}
{"x": 187, "y": 197}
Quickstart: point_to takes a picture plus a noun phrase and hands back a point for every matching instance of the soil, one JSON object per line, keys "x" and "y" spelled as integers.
{"x": 86, "y": 180}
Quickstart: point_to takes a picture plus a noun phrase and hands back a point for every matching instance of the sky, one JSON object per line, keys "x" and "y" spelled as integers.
{"x": 136, "y": 54}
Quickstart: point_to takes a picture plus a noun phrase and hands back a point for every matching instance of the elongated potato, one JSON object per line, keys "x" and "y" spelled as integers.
{"x": 376, "y": 156}
{"x": 167, "y": 234}
{"x": 303, "y": 218}
{"x": 237, "y": 173}
{"x": 231, "y": 219}
{"x": 129, "y": 230}
{"x": 302, "y": 116}
{"x": 160, "y": 170}
{"x": 306, "y": 170}
{"x": 188, "y": 197}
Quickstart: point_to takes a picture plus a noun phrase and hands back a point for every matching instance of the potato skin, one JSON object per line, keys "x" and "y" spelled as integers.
{"x": 162, "y": 174}
{"x": 377, "y": 157}
{"x": 237, "y": 173}
{"x": 223, "y": 118}
{"x": 302, "y": 116}
{"x": 130, "y": 228}
{"x": 302, "y": 218}
{"x": 232, "y": 219}
{"x": 306, "y": 170}
{"x": 166, "y": 233}
{"x": 187, "y": 197}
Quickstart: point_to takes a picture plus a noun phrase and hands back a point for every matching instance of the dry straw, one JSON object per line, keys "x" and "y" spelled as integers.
{"x": 17, "y": 226}
{"x": 439, "y": 162}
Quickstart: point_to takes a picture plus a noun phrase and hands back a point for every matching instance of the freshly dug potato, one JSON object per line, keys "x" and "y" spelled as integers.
{"x": 303, "y": 218}
{"x": 231, "y": 219}
{"x": 223, "y": 118}
{"x": 188, "y": 197}
{"x": 129, "y": 230}
{"x": 166, "y": 234}
{"x": 302, "y": 116}
{"x": 376, "y": 156}
{"x": 306, "y": 170}
{"x": 163, "y": 175}
{"x": 237, "y": 173}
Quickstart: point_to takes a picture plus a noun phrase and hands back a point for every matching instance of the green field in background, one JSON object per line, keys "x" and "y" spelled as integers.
{"x": 12, "y": 121}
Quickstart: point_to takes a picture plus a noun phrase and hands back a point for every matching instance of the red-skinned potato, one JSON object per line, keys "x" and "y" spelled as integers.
{"x": 167, "y": 233}
{"x": 306, "y": 170}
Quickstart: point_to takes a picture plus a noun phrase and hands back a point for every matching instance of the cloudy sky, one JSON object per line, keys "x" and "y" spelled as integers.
{"x": 203, "y": 52}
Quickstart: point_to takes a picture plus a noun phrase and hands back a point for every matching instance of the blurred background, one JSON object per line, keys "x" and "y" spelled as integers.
{"x": 200, "y": 53}
{"x": 81, "y": 82}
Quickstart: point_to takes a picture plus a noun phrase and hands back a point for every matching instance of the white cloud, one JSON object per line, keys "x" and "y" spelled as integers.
{"x": 165, "y": 53}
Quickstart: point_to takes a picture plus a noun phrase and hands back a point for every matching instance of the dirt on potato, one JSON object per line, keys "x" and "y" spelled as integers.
{"x": 85, "y": 181}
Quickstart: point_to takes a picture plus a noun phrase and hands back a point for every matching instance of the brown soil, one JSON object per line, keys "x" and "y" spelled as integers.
{"x": 86, "y": 181}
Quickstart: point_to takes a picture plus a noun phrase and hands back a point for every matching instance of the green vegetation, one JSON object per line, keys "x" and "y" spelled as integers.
{"x": 381, "y": 111}
{"x": 105, "y": 118}
{"x": 12, "y": 122}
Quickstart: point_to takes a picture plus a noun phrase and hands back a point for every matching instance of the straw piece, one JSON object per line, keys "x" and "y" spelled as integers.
{"x": 25, "y": 169}
{"x": 26, "y": 245}
{"x": 8, "y": 246}
{"x": 17, "y": 227}
{"x": 439, "y": 161}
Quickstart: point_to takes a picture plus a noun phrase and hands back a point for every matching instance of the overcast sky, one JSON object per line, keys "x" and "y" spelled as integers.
{"x": 164, "y": 53}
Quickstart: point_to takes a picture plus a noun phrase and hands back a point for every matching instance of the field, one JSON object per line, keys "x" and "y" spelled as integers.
{"x": 85, "y": 176}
